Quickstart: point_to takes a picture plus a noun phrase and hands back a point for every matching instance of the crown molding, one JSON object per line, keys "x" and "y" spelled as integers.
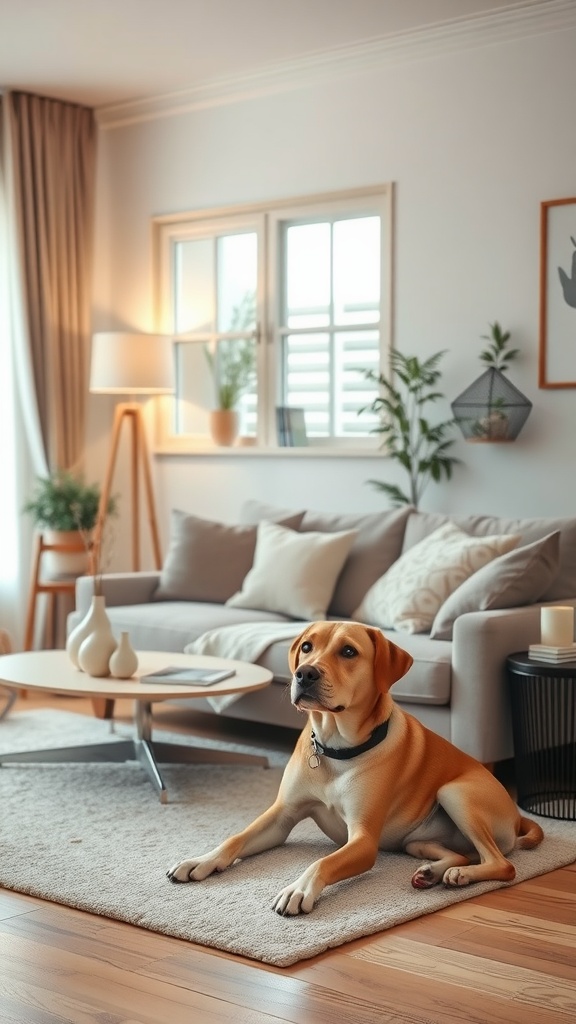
{"x": 514, "y": 21}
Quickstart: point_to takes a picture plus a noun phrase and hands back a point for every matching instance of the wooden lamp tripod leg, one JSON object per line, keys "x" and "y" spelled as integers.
{"x": 152, "y": 521}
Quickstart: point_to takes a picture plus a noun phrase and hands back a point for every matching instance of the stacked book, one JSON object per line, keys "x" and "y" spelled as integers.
{"x": 553, "y": 655}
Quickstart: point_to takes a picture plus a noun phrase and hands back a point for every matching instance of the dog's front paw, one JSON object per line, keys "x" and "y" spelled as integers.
{"x": 298, "y": 898}
{"x": 193, "y": 870}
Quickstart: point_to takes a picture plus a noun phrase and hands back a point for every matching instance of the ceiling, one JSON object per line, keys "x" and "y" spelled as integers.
{"x": 102, "y": 52}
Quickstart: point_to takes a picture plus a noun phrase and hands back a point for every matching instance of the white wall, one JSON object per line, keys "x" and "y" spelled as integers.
{"x": 474, "y": 142}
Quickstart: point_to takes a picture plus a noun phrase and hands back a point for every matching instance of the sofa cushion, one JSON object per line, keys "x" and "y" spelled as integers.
{"x": 207, "y": 561}
{"x": 519, "y": 577}
{"x": 375, "y": 549}
{"x": 293, "y": 573}
{"x": 172, "y": 625}
{"x": 421, "y": 524}
{"x": 410, "y": 594}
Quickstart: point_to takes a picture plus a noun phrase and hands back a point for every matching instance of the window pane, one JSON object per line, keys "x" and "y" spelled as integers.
{"x": 324, "y": 375}
{"x": 193, "y": 296}
{"x": 354, "y": 352}
{"x": 307, "y": 283}
{"x": 357, "y": 271}
{"x": 237, "y": 278}
{"x": 195, "y": 388}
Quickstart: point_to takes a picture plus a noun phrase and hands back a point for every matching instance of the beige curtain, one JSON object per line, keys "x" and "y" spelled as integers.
{"x": 51, "y": 154}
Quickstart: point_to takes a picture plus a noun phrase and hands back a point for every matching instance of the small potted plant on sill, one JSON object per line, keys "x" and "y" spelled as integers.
{"x": 65, "y": 509}
{"x": 233, "y": 369}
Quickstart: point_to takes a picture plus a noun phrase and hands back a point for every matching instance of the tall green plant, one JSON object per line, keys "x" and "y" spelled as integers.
{"x": 421, "y": 448}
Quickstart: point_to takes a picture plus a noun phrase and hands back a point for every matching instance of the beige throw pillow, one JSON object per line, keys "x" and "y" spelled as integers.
{"x": 518, "y": 578}
{"x": 293, "y": 574}
{"x": 408, "y": 596}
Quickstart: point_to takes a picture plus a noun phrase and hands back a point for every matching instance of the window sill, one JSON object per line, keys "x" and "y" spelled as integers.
{"x": 208, "y": 450}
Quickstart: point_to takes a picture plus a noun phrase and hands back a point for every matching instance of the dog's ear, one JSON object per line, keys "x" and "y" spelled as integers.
{"x": 293, "y": 652}
{"x": 390, "y": 661}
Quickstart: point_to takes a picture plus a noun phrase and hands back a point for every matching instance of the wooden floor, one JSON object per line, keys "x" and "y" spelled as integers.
{"x": 508, "y": 957}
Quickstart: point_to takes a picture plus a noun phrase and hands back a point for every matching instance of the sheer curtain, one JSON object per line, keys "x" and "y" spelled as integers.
{"x": 15, "y": 468}
{"x": 47, "y": 179}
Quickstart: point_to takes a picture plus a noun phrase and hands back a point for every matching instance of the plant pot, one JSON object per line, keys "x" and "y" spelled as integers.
{"x": 224, "y": 426}
{"x": 70, "y": 562}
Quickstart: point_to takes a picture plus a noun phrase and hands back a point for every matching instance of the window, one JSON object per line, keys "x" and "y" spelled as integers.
{"x": 295, "y": 295}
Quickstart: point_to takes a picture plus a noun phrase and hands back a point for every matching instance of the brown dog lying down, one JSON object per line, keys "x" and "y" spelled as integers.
{"x": 372, "y": 777}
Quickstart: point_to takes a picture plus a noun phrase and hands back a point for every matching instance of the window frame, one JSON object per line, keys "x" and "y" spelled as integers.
{"x": 268, "y": 220}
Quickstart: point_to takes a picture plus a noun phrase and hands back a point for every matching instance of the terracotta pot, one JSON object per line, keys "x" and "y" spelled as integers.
{"x": 224, "y": 426}
{"x": 72, "y": 562}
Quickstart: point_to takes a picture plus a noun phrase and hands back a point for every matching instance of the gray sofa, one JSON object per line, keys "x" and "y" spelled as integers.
{"x": 215, "y": 575}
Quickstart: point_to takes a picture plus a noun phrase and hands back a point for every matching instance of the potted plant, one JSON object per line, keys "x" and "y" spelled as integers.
{"x": 492, "y": 409}
{"x": 65, "y": 509}
{"x": 420, "y": 447}
{"x": 233, "y": 368}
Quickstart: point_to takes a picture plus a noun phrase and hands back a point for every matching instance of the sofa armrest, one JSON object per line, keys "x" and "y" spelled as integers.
{"x": 118, "y": 588}
{"x": 479, "y": 703}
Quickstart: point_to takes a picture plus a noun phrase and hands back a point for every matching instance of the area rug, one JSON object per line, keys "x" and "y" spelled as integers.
{"x": 95, "y": 837}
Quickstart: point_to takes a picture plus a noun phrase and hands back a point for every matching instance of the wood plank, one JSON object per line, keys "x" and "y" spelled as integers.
{"x": 485, "y": 976}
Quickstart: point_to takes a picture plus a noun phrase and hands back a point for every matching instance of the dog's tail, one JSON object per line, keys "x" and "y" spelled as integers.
{"x": 529, "y": 835}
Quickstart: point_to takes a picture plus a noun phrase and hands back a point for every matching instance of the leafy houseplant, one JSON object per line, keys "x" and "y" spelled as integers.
{"x": 63, "y": 502}
{"x": 233, "y": 370}
{"x": 419, "y": 447}
{"x": 234, "y": 366}
{"x": 65, "y": 508}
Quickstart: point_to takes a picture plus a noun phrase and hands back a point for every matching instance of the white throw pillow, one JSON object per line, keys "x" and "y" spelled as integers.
{"x": 408, "y": 596}
{"x": 293, "y": 573}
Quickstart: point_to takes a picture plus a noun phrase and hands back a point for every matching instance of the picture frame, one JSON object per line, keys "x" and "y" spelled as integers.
{"x": 291, "y": 427}
{"x": 557, "y": 346}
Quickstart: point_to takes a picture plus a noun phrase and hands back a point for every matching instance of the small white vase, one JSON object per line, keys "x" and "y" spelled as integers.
{"x": 83, "y": 629}
{"x": 124, "y": 660}
{"x": 98, "y": 646}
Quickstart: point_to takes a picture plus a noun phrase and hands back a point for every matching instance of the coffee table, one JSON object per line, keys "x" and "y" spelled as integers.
{"x": 53, "y": 672}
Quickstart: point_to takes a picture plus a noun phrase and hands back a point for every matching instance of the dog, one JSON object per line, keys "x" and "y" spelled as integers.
{"x": 373, "y": 778}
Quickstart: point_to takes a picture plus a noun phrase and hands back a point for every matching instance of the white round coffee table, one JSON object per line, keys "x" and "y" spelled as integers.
{"x": 53, "y": 672}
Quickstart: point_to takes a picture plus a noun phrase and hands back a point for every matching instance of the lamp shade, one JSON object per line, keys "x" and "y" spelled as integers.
{"x": 138, "y": 364}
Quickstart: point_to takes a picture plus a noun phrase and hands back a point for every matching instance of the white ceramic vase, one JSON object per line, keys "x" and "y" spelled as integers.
{"x": 124, "y": 660}
{"x": 82, "y": 630}
{"x": 97, "y": 647}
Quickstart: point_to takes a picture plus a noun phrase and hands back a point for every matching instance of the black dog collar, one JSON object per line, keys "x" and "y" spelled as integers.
{"x": 345, "y": 753}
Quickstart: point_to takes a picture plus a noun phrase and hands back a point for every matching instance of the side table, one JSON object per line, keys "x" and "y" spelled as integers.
{"x": 543, "y": 703}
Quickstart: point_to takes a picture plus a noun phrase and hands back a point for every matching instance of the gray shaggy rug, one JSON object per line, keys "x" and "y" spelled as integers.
{"x": 95, "y": 837}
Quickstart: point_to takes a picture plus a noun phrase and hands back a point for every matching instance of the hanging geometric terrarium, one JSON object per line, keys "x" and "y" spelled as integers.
{"x": 492, "y": 409}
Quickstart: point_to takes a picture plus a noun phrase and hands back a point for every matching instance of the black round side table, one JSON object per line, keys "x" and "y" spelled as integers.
{"x": 543, "y": 701}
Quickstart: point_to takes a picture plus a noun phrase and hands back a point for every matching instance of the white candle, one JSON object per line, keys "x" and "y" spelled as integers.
{"x": 557, "y": 626}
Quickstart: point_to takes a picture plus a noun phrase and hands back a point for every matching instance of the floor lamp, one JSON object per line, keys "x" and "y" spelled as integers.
{"x": 131, "y": 364}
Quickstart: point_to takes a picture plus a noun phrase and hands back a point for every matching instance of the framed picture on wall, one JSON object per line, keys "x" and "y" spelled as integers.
{"x": 557, "y": 355}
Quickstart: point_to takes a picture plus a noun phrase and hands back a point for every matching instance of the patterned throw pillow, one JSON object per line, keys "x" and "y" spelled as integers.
{"x": 408, "y": 596}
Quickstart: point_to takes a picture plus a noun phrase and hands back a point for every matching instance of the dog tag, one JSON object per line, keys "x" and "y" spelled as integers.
{"x": 314, "y": 761}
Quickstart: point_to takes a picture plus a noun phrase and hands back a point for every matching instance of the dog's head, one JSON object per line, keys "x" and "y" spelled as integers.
{"x": 337, "y": 666}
